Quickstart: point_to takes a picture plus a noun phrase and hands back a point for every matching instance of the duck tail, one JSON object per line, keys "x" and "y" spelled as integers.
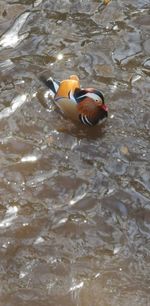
{"x": 53, "y": 85}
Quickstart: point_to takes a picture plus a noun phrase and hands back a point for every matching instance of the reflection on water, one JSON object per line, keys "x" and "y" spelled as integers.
{"x": 16, "y": 102}
{"x": 75, "y": 202}
{"x": 9, "y": 216}
{"x": 12, "y": 38}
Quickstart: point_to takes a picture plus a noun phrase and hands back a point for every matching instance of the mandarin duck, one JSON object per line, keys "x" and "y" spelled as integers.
{"x": 78, "y": 104}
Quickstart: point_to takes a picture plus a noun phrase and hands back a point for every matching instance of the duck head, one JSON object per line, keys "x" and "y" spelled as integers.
{"x": 91, "y": 105}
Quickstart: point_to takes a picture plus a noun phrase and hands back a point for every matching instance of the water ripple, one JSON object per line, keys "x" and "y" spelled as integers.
{"x": 11, "y": 215}
{"x": 75, "y": 208}
{"x": 16, "y": 103}
{"x": 6, "y": 65}
{"x": 11, "y": 38}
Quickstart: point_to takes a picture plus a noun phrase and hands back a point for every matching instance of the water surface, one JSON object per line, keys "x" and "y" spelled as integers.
{"x": 75, "y": 202}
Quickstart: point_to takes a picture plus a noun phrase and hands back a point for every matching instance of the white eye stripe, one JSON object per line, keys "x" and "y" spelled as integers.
{"x": 92, "y": 96}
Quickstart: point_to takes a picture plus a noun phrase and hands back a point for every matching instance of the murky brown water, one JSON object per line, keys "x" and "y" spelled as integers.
{"x": 75, "y": 202}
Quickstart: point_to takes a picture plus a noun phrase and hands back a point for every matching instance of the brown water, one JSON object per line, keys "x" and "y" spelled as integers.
{"x": 75, "y": 202}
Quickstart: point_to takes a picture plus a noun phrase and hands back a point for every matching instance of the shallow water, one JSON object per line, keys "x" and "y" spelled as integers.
{"x": 75, "y": 202}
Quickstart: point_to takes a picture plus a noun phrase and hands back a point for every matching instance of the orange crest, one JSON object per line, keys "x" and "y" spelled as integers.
{"x": 68, "y": 85}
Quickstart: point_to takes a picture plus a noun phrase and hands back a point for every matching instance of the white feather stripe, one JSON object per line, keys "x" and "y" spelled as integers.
{"x": 82, "y": 120}
{"x": 71, "y": 96}
{"x": 88, "y": 122}
{"x": 91, "y": 95}
{"x": 85, "y": 120}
